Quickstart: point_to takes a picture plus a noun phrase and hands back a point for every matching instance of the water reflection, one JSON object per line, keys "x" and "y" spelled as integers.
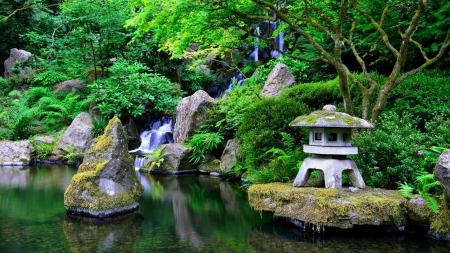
{"x": 205, "y": 213}
{"x": 176, "y": 214}
{"x": 116, "y": 236}
{"x": 281, "y": 236}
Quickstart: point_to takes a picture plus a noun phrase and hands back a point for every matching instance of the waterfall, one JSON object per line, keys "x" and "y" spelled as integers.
{"x": 157, "y": 131}
{"x": 254, "y": 56}
{"x": 235, "y": 80}
{"x": 278, "y": 41}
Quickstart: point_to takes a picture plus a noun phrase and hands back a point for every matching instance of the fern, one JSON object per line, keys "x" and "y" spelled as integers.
{"x": 56, "y": 112}
{"x": 288, "y": 141}
{"x": 156, "y": 156}
{"x": 406, "y": 190}
{"x": 202, "y": 144}
{"x": 426, "y": 183}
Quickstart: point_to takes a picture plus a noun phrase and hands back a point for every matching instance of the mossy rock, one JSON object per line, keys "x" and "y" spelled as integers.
{"x": 106, "y": 182}
{"x": 330, "y": 207}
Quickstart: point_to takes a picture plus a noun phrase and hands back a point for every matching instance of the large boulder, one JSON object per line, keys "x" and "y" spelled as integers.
{"x": 191, "y": 114}
{"x": 69, "y": 86}
{"x": 15, "y": 153}
{"x": 106, "y": 183}
{"x": 229, "y": 155}
{"x": 175, "y": 160}
{"x": 279, "y": 79}
{"x": 15, "y": 56}
{"x": 78, "y": 135}
{"x": 442, "y": 174}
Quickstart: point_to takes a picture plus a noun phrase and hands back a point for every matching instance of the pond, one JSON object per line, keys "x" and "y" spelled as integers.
{"x": 176, "y": 214}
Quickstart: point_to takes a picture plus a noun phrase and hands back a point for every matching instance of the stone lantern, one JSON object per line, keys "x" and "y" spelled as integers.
{"x": 330, "y": 140}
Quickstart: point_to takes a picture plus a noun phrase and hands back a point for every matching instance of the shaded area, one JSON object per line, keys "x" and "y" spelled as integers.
{"x": 280, "y": 236}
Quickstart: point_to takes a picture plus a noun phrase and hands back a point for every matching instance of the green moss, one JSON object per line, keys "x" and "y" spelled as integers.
{"x": 326, "y": 116}
{"x": 440, "y": 223}
{"x": 330, "y": 207}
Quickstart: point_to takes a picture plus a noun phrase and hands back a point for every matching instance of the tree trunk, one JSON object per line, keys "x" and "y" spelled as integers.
{"x": 343, "y": 85}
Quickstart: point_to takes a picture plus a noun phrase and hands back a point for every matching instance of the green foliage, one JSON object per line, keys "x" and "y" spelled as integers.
{"x": 261, "y": 128}
{"x": 156, "y": 156}
{"x": 392, "y": 152}
{"x": 43, "y": 149}
{"x": 194, "y": 80}
{"x": 203, "y": 144}
{"x": 39, "y": 108}
{"x": 227, "y": 116}
{"x": 426, "y": 182}
{"x": 59, "y": 109}
{"x": 131, "y": 91}
{"x": 49, "y": 77}
{"x": 406, "y": 190}
{"x": 72, "y": 156}
{"x": 283, "y": 165}
{"x": 100, "y": 124}
{"x": 423, "y": 94}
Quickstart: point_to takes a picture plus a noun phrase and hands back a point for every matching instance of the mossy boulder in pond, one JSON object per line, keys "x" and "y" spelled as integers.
{"x": 106, "y": 183}
{"x": 330, "y": 207}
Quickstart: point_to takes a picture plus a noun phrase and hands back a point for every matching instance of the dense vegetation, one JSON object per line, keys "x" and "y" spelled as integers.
{"x": 140, "y": 57}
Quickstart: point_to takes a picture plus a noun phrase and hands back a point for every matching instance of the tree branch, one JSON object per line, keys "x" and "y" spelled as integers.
{"x": 377, "y": 26}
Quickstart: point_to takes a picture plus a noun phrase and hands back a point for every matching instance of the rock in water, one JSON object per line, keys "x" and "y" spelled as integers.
{"x": 106, "y": 183}
{"x": 442, "y": 174}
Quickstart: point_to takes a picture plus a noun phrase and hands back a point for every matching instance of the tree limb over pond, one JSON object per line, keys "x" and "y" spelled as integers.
{"x": 316, "y": 31}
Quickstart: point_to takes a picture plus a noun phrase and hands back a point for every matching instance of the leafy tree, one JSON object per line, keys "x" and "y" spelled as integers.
{"x": 132, "y": 91}
{"x": 319, "y": 31}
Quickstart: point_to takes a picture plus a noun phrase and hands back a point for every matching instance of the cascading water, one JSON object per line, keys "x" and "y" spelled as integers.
{"x": 254, "y": 56}
{"x": 235, "y": 80}
{"x": 157, "y": 131}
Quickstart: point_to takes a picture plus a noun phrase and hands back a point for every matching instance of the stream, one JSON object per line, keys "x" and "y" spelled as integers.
{"x": 176, "y": 214}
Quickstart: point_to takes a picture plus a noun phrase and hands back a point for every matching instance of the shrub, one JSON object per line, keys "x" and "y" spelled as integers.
{"x": 194, "y": 80}
{"x": 261, "y": 129}
{"x": 423, "y": 94}
{"x": 49, "y": 77}
{"x": 131, "y": 91}
{"x": 283, "y": 165}
{"x": 228, "y": 114}
{"x": 393, "y": 152}
{"x": 202, "y": 144}
{"x": 100, "y": 124}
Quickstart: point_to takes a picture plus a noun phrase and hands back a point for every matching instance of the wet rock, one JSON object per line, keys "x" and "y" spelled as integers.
{"x": 132, "y": 134}
{"x": 279, "y": 79}
{"x": 176, "y": 160}
{"x": 211, "y": 164}
{"x": 15, "y": 56}
{"x": 191, "y": 114}
{"x": 442, "y": 174}
{"x": 69, "y": 86}
{"x": 229, "y": 155}
{"x": 106, "y": 183}
{"x": 78, "y": 135}
{"x": 16, "y": 153}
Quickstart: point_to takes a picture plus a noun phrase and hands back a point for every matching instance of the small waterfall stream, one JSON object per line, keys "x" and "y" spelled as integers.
{"x": 157, "y": 131}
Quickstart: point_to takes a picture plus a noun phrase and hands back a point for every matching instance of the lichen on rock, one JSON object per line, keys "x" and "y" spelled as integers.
{"x": 106, "y": 182}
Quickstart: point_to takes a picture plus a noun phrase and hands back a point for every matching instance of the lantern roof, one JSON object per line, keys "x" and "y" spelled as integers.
{"x": 329, "y": 117}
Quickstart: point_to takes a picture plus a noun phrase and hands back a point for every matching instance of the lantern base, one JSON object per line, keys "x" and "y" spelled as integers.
{"x": 330, "y": 171}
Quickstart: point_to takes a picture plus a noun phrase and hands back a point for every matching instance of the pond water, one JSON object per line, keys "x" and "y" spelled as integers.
{"x": 176, "y": 214}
